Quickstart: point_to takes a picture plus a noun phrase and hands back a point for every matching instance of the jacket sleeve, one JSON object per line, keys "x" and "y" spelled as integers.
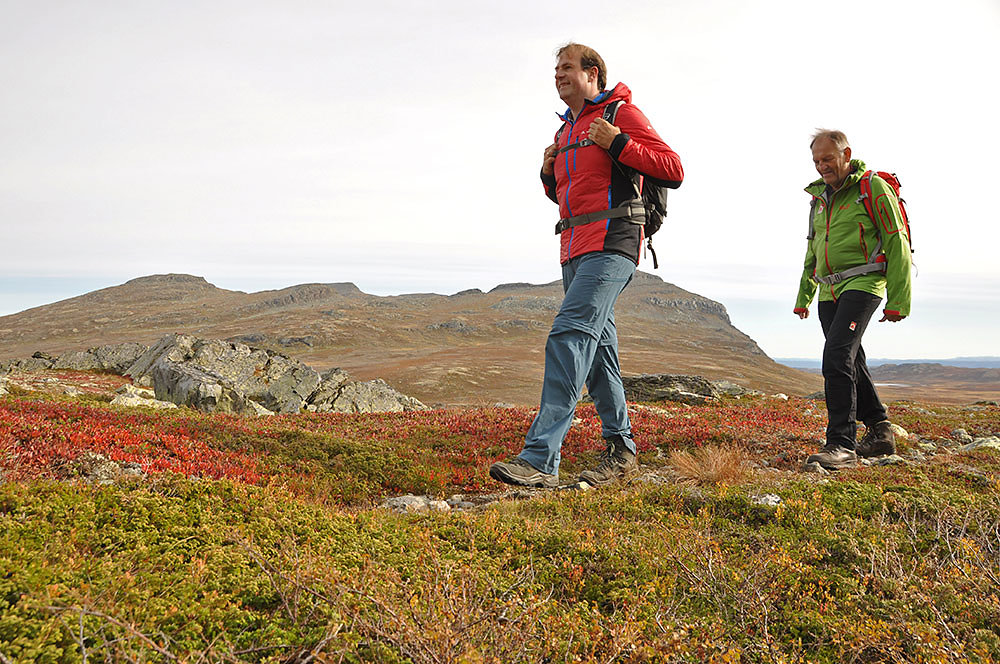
{"x": 807, "y": 287}
{"x": 641, "y": 148}
{"x": 895, "y": 246}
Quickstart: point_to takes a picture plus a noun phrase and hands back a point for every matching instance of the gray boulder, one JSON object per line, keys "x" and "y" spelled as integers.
{"x": 189, "y": 386}
{"x": 117, "y": 358}
{"x": 337, "y": 393}
{"x": 78, "y": 360}
{"x": 692, "y": 390}
{"x": 215, "y": 375}
{"x": 3, "y": 387}
{"x": 37, "y": 362}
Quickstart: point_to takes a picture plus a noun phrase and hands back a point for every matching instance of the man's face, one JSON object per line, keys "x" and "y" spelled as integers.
{"x": 573, "y": 82}
{"x": 833, "y": 165}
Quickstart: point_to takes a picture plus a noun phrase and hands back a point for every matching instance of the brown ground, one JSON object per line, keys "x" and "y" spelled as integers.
{"x": 470, "y": 348}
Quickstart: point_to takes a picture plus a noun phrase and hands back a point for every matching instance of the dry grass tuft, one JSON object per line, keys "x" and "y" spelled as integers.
{"x": 710, "y": 465}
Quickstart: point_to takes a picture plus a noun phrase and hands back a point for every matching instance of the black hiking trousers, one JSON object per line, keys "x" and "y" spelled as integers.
{"x": 850, "y": 392}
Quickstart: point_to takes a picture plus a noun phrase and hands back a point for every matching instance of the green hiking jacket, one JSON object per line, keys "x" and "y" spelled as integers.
{"x": 845, "y": 236}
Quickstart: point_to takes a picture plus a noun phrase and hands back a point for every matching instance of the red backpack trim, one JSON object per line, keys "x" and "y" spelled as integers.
{"x": 878, "y": 208}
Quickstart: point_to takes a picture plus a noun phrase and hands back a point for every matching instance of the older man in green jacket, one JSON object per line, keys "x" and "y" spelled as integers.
{"x": 853, "y": 261}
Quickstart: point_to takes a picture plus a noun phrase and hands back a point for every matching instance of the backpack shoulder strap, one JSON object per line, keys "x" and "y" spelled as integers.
{"x": 866, "y": 195}
{"x": 611, "y": 111}
{"x": 811, "y": 232}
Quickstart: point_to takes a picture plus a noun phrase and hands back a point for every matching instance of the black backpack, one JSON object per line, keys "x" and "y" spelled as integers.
{"x": 647, "y": 207}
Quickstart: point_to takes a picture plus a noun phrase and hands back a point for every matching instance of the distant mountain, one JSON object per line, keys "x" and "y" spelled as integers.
{"x": 984, "y": 362}
{"x": 467, "y": 348}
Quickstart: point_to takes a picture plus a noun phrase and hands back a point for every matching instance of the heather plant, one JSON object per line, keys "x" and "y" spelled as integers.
{"x": 254, "y": 540}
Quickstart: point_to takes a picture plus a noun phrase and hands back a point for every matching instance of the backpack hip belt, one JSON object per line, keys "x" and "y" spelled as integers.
{"x": 837, "y": 277}
{"x": 632, "y": 211}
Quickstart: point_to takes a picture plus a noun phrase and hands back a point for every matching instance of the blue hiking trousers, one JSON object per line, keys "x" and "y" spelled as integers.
{"x": 582, "y": 347}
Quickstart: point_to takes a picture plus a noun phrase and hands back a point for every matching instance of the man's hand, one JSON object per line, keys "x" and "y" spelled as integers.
{"x": 892, "y": 318}
{"x": 802, "y": 313}
{"x": 603, "y": 132}
{"x": 549, "y": 160}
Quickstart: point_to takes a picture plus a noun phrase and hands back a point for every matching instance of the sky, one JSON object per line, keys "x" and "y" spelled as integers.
{"x": 396, "y": 145}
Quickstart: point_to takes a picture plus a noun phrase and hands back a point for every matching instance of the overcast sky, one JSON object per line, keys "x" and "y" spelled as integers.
{"x": 397, "y": 145}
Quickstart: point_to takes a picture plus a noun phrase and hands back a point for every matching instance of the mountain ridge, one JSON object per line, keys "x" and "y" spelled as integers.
{"x": 468, "y": 347}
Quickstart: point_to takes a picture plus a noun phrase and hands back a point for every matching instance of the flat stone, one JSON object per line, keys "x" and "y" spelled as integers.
{"x": 962, "y": 436}
{"x": 769, "y": 499}
{"x": 407, "y": 503}
{"x": 127, "y": 401}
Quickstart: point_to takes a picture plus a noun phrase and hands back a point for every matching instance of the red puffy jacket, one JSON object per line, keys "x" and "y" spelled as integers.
{"x": 585, "y": 179}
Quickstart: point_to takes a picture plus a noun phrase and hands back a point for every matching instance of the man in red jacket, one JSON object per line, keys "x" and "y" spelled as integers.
{"x": 589, "y": 172}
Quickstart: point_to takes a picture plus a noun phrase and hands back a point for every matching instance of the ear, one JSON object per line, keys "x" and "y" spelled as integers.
{"x": 847, "y": 153}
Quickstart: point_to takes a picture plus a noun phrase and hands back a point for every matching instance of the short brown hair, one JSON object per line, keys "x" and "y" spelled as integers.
{"x": 838, "y": 137}
{"x": 588, "y": 58}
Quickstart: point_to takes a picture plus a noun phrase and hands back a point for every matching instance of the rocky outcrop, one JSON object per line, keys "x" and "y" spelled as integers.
{"x": 692, "y": 390}
{"x": 213, "y": 375}
{"x": 116, "y": 358}
{"x": 224, "y": 376}
{"x": 231, "y": 377}
{"x": 337, "y": 393}
{"x": 37, "y": 362}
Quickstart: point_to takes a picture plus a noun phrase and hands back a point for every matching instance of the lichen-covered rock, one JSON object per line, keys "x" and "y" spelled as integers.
{"x": 187, "y": 385}
{"x": 692, "y": 390}
{"x": 374, "y": 396}
{"x": 130, "y": 396}
{"x": 224, "y": 376}
{"x": 33, "y": 363}
{"x": 115, "y": 358}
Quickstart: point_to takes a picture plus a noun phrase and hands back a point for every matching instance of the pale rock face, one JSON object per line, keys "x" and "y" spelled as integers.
{"x": 131, "y": 401}
{"x": 115, "y": 358}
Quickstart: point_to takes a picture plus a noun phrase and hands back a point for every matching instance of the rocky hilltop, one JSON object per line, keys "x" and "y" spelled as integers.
{"x": 472, "y": 347}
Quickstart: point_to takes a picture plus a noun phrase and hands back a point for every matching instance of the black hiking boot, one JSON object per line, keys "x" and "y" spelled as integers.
{"x": 834, "y": 457}
{"x": 879, "y": 440}
{"x": 519, "y": 472}
{"x": 617, "y": 464}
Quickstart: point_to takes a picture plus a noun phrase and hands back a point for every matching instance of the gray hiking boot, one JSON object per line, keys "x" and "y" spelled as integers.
{"x": 617, "y": 464}
{"x": 519, "y": 472}
{"x": 834, "y": 457}
{"x": 879, "y": 440}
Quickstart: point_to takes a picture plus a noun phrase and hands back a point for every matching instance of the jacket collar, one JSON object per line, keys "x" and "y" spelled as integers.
{"x": 567, "y": 116}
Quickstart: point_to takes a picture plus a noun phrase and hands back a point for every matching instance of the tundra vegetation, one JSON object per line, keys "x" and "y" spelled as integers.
{"x": 261, "y": 539}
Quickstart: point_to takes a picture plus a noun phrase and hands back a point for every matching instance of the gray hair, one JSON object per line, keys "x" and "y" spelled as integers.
{"x": 838, "y": 137}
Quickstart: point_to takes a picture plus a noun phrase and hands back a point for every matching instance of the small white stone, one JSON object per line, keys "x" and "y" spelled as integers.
{"x": 769, "y": 499}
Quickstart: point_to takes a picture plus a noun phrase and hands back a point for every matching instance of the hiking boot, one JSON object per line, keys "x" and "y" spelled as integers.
{"x": 834, "y": 457}
{"x": 617, "y": 463}
{"x": 519, "y": 472}
{"x": 879, "y": 440}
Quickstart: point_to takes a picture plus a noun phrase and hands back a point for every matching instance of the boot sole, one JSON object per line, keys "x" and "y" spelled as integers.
{"x": 501, "y": 475}
{"x": 624, "y": 478}
{"x": 839, "y": 465}
{"x": 877, "y": 453}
